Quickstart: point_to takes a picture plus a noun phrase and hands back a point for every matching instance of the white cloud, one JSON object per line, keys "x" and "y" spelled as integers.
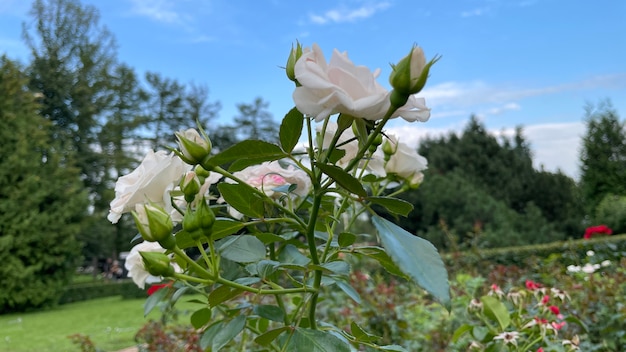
{"x": 467, "y": 94}
{"x": 475, "y": 12}
{"x": 343, "y": 14}
{"x": 158, "y": 10}
{"x": 555, "y": 146}
{"x": 503, "y": 108}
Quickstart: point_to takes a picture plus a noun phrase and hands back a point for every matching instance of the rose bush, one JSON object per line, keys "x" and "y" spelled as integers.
{"x": 275, "y": 233}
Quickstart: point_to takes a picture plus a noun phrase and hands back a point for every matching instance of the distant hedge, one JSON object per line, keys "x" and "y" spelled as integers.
{"x": 87, "y": 291}
{"x": 611, "y": 247}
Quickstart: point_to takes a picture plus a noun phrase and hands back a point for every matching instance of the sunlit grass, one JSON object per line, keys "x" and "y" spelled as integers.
{"x": 111, "y": 323}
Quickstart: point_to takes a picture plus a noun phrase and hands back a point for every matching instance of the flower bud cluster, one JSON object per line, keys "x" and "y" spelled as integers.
{"x": 199, "y": 222}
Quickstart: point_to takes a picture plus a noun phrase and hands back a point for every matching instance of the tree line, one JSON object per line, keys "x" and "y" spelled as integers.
{"x": 482, "y": 191}
{"x": 74, "y": 118}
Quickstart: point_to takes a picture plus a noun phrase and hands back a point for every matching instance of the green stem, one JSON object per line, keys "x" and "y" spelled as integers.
{"x": 208, "y": 262}
{"x": 261, "y": 194}
{"x": 216, "y": 278}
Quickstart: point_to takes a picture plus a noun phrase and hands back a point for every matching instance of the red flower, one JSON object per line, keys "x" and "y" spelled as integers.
{"x": 597, "y": 230}
{"x": 540, "y": 349}
{"x": 555, "y": 310}
{"x": 544, "y": 300}
{"x": 155, "y": 288}
{"x": 531, "y": 285}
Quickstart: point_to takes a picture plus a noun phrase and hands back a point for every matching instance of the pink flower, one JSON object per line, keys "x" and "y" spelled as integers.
{"x": 555, "y": 310}
{"x": 558, "y": 326}
{"x": 495, "y": 290}
{"x": 531, "y": 285}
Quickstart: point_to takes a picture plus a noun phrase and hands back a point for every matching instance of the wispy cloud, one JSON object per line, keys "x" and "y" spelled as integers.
{"x": 344, "y": 14}
{"x": 468, "y": 94}
{"x": 498, "y": 110}
{"x": 475, "y": 12}
{"x": 159, "y": 10}
{"x": 555, "y": 146}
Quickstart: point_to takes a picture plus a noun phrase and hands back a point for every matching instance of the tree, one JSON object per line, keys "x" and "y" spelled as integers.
{"x": 72, "y": 60}
{"x": 121, "y": 145}
{"x": 197, "y": 106}
{"x": 484, "y": 191}
{"x": 42, "y": 201}
{"x": 166, "y": 109}
{"x": 603, "y": 155}
{"x": 255, "y": 122}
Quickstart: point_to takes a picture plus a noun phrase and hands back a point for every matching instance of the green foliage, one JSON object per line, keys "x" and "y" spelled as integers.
{"x": 255, "y": 121}
{"x": 416, "y": 257}
{"x": 484, "y": 260}
{"x": 73, "y": 55}
{"x": 41, "y": 202}
{"x": 603, "y": 155}
{"x": 88, "y": 291}
{"x": 499, "y": 199}
{"x": 611, "y": 211}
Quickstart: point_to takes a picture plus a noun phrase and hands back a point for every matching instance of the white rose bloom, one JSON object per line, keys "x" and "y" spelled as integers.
{"x": 342, "y": 87}
{"x": 347, "y": 142}
{"x": 573, "y": 268}
{"x": 134, "y": 263}
{"x": 151, "y": 181}
{"x": 588, "y": 268}
{"x": 351, "y": 148}
{"x": 405, "y": 162}
{"x": 270, "y": 175}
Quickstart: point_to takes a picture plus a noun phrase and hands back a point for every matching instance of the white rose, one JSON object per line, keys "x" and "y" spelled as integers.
{"x": 134, "y": 263}
{"x": 415, "y": 109}
{"x": 348, "y": 143}
{"x": 151, "y": 181}
{"x": 405, "y": 162}
{"x": 270, "y": 175}
{"x": 342, "y": 87}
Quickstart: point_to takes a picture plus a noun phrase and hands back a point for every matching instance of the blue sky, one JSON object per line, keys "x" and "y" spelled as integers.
{"x": 534, "y": 63}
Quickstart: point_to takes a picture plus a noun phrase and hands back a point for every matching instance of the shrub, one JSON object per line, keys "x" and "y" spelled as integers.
{"x": 612, "y": 212}
{"x": 84, "y": 292}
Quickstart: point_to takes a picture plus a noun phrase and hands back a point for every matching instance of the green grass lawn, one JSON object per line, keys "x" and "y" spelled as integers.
{"x": 111, "y": 323}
